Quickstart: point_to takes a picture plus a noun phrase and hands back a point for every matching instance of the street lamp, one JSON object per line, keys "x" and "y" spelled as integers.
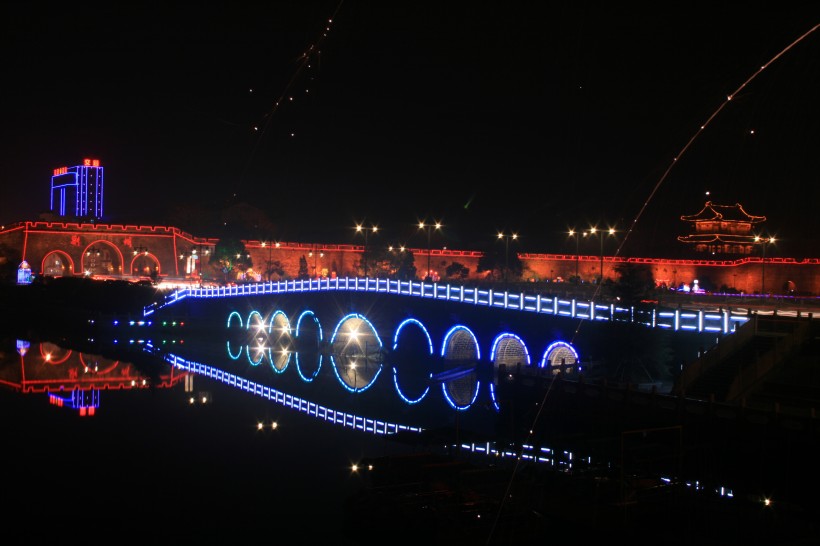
{"x": 360, "y": 229}
{"x": 270, "y": 245}
{"x": 314, "y": 253}
{"x": 574, "y": 234}
{"x": 765, "y": 241}
{"x": 429, "y": 228}
{"x": 592, "y": 232}
{"x": 513, "y": 236}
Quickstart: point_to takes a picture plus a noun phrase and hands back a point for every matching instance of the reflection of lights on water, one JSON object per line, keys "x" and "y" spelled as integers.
{"x": 202, "y": 398}
{"x": 261, "y": 426}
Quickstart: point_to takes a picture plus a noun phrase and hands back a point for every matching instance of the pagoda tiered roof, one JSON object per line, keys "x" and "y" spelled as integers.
{"x": 724, "y": 229}
{"x": 731, "y": 213}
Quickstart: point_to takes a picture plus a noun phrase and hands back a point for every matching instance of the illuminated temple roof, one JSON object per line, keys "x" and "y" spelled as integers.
{"x": 722, "y": 229}
{"x": 727, "y": 213}
{"x": 716, "y": 238}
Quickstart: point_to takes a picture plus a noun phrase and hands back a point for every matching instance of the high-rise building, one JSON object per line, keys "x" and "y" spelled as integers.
{"x": 78, "y": 191}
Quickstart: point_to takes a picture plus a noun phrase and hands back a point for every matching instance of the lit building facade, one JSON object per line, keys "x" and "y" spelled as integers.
{"x": 78, "y": 191}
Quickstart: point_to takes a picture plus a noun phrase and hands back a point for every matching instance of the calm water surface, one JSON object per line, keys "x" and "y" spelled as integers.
{"x": 182, "y": 459}
{"x": 150, "y": 463}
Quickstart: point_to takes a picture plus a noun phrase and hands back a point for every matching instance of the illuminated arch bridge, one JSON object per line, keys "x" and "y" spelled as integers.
{"x": 361, "y": 352}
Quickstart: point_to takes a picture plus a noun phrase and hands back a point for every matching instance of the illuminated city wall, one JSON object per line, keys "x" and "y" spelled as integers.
{"x": 132, "y": 251}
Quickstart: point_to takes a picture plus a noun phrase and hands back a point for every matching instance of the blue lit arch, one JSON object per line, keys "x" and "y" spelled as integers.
{"x": 234, "y": 317}
{"x": 460, "y": 345}
{"x": 260, "y": 323}
{"x": 412, "y": 323}
{"x": 509, "y": 350}
{"x": 260, "y": 351}
{"x": 280, "y": 341}
{"x": 559, "y": 354}
{"x": 355, "y": 353}
{"x": 304, "y": 316}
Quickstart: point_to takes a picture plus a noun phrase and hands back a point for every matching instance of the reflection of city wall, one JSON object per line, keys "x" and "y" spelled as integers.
{"x": 47, "y": 367}
{"x": 129, "y": 250}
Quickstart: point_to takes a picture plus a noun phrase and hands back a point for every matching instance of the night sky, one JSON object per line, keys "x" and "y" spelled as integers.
{"x": 485, "y": 116}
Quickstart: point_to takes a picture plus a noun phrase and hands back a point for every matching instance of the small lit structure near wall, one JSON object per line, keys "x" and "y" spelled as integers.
{"x": 24, "y": 273}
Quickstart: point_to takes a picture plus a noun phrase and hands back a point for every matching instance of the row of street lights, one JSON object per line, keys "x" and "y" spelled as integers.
{"x": 361, "y": 229}
{"x": 592, "y": 232}
{"x": 430, "y": 228}
{"x": 424, "y": 226}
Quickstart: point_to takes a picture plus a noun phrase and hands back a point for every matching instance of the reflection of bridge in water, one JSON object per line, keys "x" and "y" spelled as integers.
{"x": 470, "y": 369}
{"x": 421, "y": 338}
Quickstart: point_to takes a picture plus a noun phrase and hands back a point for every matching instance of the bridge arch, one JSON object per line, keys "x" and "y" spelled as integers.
{"x": 307, "y": 342}
{"x": 460, "y": 345}
{"x": 559, "y": 356}
{"x": 258, "y": 323}
{"x": 259, "y": 351}
{"x": 413, "y": 386}
{"x": 280, "y": 342}
{"x": 510, "y": 350}
{"x": 355, "y": 354}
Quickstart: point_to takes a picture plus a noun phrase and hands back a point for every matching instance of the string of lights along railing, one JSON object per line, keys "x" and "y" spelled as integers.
{"x": 675, "y": 319}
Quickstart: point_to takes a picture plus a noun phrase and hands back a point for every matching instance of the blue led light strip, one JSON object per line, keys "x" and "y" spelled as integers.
{"x": 324, "y": 413}
{"x": 515, "y": 302}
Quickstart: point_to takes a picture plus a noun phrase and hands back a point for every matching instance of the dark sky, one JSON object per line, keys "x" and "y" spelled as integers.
{"x": 486, "y": 116}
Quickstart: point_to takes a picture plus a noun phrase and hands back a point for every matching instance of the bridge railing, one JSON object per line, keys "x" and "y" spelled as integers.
{"x": 676, "y": 319}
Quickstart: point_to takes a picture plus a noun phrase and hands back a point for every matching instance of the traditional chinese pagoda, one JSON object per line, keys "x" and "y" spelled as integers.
{"x": 722, "y": 229}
